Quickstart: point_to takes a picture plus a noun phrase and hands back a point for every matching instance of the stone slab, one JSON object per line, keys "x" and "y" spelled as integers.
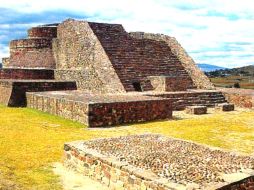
{"x": 225, "y": 107}
{"x": 196, "y": 110}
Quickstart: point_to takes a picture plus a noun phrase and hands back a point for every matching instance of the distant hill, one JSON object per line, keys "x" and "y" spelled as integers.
{"x": 242, "y": 77}
{"x": 240, "y": 71}
{"x": 208, "y": 68}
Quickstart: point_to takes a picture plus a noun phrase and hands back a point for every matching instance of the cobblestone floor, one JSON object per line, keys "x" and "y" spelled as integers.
{"x": 179, "y": 161}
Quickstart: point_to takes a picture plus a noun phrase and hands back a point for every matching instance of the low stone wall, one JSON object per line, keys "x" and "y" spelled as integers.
{"x": 69, "y": 109}
{"x": 15, "y": 95}
{"x": 151, "y": 162}
{"x": 8, "y": 73}
{"x": 114, "y": 174}
{"x": 240, "y": 97}
{"x": 99, "y": 111}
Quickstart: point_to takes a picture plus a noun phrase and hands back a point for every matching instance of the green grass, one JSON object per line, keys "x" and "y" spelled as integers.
{"x": 30, "y": 141}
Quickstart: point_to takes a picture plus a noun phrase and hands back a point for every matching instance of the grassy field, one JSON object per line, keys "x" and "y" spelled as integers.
{"x": 245, "y": 82}
{"x": 30, "y": 141}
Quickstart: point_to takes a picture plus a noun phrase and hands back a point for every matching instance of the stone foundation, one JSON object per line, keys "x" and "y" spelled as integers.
{"x": 15, "y": 90}
{"x": 155, "y": 162}
{"x": 101, "y": 110}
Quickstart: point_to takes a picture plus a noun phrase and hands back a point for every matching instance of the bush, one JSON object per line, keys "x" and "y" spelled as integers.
{"x": 236, "y": 85}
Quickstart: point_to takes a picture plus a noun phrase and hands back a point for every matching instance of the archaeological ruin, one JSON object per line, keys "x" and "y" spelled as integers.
{"x": 156, "y": 162}
{"x": 101, "y": 75}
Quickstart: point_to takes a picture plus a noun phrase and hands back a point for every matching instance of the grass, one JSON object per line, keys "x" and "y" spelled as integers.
{"x": 244, "y": 81}
{"x": 30, "y": 141}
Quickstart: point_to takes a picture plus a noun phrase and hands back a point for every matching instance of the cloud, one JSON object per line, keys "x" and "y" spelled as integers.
{"x": 212, "y": 31}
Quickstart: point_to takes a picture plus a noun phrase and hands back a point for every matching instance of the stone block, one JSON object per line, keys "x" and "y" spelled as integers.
{"x": 197, "y": 110}
{"x": 225, "y": 107}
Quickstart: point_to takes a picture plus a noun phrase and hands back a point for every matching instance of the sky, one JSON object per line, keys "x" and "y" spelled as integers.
{"x": 217, "y": 32}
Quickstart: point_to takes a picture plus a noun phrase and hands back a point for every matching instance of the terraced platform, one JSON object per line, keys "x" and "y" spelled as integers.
{"x": 97, "y": 110}
{"x": 158, "y": 162}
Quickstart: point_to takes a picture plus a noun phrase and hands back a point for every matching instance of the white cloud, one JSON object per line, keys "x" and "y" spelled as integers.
{"x": 198, "y": 25}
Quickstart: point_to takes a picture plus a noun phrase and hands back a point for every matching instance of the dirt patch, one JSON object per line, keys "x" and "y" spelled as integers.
{"x": 6, "y": 184}
{"x": 74, "y": 181}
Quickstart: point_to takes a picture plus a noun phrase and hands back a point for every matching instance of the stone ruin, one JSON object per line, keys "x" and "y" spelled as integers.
{"x": 101, "y": 75}
{"x": 156, "y": 162}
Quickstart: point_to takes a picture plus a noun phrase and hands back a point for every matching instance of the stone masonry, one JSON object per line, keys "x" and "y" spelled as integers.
{"x": 155, "y": 162}
{"x": 103, "y": 60}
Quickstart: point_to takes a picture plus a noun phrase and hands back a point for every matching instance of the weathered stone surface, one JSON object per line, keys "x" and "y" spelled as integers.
{"x": 197, "y": 110}
{"x": 26, "y": 74}
{"x": 165, "y": 163}
{"x": 48, "y": 32}
{"x": 197, "y": 76}
{"x": 80, "y": 56}
{"x": 106, "y": 62}
{"x": 102, "y": 110}
{"x": 240, "y": 97}
{"x": 170, "y": 83}
{"x": 31, "y": 53}
{"x": 13, "y": 92}
{"x": 225, "y": 107}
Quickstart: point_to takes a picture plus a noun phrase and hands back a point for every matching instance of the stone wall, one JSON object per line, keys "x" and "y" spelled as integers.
{"x": 136, "y": 59}
{"x": 26, "y": 74}
{"x": 240, "y": 97}
{"x": 170, "y": 83}
{"x": 42, "y": 32}
{"x": 80, "y": 56}
{"x": 77, "y": 111}
{"x": 31, "y": 53}
{"x": 114, "y": 174}
{"x": 101, "y": 111}
{"x": 199, "y": 79}
{"x": 19, "y": 88}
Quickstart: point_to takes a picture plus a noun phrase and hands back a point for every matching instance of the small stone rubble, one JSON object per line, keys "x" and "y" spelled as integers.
{"x": 179, "y": 161}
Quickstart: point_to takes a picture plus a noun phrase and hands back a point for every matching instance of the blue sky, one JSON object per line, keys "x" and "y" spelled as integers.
{"x": 218, "y": 32}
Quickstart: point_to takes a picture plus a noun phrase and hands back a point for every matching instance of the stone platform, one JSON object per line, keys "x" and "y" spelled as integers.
{"x": 157, "y": 162}
{"x": 96, "y": 110}
{"x": 13, "y": 92}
